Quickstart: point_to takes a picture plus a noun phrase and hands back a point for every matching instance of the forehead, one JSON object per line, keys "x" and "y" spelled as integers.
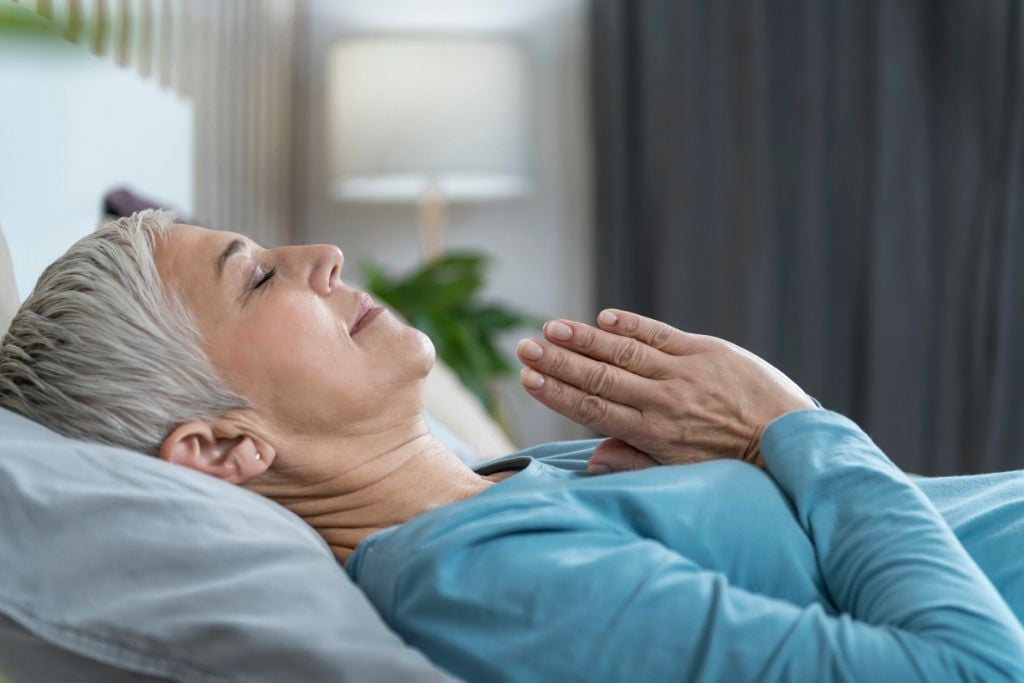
{"x": 186, "y": 256}
{"x": 185, "y": 250}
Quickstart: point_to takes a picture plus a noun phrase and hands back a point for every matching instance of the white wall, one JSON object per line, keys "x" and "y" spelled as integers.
{"x": 541, "y": 244}
{"x": 72, "y": 127}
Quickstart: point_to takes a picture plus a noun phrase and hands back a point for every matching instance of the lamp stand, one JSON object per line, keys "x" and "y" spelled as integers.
{"x": 433, "y": 209}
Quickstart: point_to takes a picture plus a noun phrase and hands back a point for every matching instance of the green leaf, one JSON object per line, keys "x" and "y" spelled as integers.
{"x": 494, "y": 317}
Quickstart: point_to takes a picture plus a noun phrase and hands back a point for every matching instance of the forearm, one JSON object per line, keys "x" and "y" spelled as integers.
{"x": 887, "y": 557}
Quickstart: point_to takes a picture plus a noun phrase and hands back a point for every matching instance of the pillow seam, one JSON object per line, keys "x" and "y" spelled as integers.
{"x": 106, "y": 650}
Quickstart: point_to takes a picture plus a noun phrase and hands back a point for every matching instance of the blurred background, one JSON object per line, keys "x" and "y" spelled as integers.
{"x": 836, "y": 186}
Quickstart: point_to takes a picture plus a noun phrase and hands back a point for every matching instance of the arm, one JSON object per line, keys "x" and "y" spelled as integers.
{"x": 567, "y": 598}
{"x": 918, "y": 606}
{"x": 914, "y": 605}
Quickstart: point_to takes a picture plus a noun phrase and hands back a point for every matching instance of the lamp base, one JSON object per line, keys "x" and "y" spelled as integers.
{"x": 433, "y": 210}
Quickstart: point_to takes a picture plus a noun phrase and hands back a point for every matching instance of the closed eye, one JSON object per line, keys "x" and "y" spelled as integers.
{"x": 266, "y": 278}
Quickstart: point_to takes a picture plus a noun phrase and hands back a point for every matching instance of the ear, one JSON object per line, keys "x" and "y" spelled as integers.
{"x": 218, "y": 448}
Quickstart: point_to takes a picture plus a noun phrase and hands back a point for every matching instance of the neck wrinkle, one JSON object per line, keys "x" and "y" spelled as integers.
{"x": 416, "y": 475}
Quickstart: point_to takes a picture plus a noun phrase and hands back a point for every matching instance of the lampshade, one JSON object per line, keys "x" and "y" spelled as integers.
{"x": 408, "y": 114}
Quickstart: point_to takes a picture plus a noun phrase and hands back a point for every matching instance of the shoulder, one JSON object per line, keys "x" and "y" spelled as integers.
{"x": 533, "y": 507}
{"x": 528, "y": 568}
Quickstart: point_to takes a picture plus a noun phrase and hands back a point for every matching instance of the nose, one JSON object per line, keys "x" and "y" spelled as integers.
{"x": 328, "y": 260}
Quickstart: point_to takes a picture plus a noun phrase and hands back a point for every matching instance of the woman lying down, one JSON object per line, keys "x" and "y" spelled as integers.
{"x": 732, "y": 531}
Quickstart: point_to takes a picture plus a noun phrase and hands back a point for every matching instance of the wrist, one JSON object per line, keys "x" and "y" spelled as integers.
{"x": 752, "y": 453}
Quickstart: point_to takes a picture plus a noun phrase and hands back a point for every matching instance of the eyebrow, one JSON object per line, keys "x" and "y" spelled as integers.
{"x": 235, "y": 246}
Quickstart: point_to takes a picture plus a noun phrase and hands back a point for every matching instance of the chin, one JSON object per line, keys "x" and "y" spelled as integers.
{"x": 427, "y": 351}
{"x": 420, "y": 353}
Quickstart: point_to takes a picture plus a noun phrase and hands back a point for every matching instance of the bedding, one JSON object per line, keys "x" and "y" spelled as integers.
{"x": 151, "y": 568}
{"x": 26, "y": 658}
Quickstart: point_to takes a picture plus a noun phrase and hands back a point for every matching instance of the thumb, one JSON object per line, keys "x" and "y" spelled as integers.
{"x": 615, "y": 455}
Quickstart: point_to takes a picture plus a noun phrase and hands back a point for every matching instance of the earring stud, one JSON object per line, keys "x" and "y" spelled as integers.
{"x": 258, "y": 456}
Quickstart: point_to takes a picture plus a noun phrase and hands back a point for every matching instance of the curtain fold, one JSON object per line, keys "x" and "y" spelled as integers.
{"x": 836, "y": 186}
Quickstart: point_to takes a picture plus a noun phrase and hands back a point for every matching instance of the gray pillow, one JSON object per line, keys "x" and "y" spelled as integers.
{"x": 132, "y": 563}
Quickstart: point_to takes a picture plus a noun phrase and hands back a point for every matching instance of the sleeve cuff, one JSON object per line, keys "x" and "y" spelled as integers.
{"x": 804, "y": 448}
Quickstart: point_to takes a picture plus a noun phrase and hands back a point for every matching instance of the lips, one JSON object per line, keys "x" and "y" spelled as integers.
{"x": 365, "y": 307}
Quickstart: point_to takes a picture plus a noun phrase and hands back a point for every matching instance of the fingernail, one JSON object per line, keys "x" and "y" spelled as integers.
{"x": 598, "y": 469}
{"x": 607, "y": 318}
{"x": 527, "y": 348}
{"x": 558, "y": 330}
{"x": 531, "y": 378}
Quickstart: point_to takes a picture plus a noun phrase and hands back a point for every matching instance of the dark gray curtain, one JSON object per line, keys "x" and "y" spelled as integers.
{"x": 839, "y": 187}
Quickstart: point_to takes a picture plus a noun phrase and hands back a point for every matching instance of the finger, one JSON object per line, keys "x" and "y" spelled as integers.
{"x": 615, "y": 455}
{"x": 650, "y": 332}
{"x": 600, "y": 414}
{"x": 592, "y": 376}
{"x": 623, "y": 352}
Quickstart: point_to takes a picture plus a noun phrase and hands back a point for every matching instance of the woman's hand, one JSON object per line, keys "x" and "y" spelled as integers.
{"x": 666, "y": 396}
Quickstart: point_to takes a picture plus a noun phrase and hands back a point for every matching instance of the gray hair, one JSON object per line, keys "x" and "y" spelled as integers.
{"x": 101, "y": 351}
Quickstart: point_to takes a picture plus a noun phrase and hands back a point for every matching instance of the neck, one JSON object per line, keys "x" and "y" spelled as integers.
{"x": 363, "y": 485}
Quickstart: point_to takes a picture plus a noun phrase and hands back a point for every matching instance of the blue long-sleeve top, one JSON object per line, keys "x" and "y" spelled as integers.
{"x": 831, "y": 565}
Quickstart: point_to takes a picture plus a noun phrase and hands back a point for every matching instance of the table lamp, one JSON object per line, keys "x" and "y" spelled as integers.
{"x": 430, "y": 120}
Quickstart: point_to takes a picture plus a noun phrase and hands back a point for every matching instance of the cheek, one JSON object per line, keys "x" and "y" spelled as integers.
{"x": 301, "y": 350}
{"x": 285, "y": 353}
{"x": 299, "y": 366}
